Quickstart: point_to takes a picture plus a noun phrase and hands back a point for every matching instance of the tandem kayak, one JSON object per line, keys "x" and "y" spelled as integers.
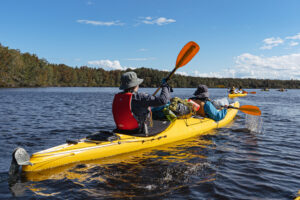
{"x": 86, "y": 149}
{"x": 236, "y": 95}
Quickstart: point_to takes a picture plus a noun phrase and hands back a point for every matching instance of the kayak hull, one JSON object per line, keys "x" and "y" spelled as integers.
{"x": 236, "y": 95}
{"x": 86, "y": 150}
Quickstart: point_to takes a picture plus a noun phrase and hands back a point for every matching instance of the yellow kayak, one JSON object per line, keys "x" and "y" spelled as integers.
{"x": 236, "y": 95}
{"x": 86, "y": 149}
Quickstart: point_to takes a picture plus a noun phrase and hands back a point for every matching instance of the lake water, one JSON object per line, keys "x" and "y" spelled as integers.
{"x": 228, "y": 163}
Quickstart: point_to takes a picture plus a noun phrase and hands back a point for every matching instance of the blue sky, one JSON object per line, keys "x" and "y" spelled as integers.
{"x": 237, "y": 38}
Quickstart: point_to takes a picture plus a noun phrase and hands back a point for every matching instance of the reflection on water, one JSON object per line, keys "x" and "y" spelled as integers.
{"x": 147, "y": 173}
{"x": 250, "y": 159}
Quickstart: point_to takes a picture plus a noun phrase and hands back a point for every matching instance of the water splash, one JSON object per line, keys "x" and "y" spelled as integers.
{"x": 254, "y": 124}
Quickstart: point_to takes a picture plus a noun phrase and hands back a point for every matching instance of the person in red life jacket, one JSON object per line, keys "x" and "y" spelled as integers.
{"x": 131, "y": 109}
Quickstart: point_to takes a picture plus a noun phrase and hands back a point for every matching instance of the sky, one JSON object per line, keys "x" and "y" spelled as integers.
{"x": 237, "y": 38}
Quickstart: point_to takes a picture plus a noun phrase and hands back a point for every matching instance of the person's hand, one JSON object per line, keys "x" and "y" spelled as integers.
{"x": 165, "y": 84}
{"x": 163, "y": 81}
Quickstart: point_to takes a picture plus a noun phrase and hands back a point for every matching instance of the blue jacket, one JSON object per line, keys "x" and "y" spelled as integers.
{"x": 214, "y": 113}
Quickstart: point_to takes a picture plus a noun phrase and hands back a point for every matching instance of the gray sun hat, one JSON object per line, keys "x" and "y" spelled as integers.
{"x": 129, "y": 80}
{"x": 201, "y": 92}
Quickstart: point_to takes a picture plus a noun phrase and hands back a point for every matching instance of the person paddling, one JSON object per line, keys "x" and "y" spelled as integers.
{"x": 131, "y": 109}
{"x": 232, "y": 90}
{"x": 207, "y": 109}
{"x": 241, "y": 91}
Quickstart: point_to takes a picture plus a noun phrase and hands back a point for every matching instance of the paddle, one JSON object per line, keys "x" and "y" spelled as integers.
{"x": 248, "y": 109}
{"x": 252, "y": 92}
{"x": 185, "y": 55}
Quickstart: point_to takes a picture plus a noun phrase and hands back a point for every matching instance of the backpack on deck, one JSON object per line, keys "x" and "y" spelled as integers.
{"x": 176, "y": 108}
{"x": 181, "y": 108}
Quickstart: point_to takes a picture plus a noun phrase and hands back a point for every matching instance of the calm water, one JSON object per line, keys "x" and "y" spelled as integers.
{"x": 228, "y": 163}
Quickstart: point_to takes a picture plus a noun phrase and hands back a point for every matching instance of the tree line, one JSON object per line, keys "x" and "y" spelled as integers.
{"x": 27, "y": 70}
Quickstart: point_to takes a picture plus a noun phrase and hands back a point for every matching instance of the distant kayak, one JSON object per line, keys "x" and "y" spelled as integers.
{"x": 266, "y": 90}
{"x": 236, "y": 95}
{"x": 282, "y": 90}
{"x": 90, "y": 149}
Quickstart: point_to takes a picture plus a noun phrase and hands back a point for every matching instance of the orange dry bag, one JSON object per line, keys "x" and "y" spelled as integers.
{"x": 196, "y": 106}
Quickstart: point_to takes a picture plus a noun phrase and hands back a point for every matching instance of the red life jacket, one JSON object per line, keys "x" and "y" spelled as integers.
{"x": 122, "y": 113}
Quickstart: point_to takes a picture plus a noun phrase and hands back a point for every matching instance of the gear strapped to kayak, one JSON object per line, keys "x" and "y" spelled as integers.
{"x": 182, "y": 108}
{"x": 122, "y": 113}
{"x": 176, "y": 108}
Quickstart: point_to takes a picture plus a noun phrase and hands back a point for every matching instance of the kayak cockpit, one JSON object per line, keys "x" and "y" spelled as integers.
{"x": 157, "y": 127}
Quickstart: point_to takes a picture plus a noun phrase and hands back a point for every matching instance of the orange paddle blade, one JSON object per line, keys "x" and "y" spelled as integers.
{"x": 187, "y": 53}
{"x": 251, "y": 110}
{"x": 252, "y": 92}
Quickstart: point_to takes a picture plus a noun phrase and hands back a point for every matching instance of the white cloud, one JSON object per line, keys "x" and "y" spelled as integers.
{"x": 247, "y": 65}
{"x": 178, "y": 72}
{"x": 251, "y": 66}
{"x": 158, "y": 21}
{"x": 182, "y": 73}
{"x": 292, "y": 44}
{"x": 295, "y": 37}
{"x": 115, "y": 64}
{"x": 269, "y": 43}
{"x": 210, "y": 74}
{"x": 100, "y": 23}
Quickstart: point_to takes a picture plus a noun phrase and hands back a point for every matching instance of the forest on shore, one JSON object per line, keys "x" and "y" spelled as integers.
{"x": 27, "y": 70}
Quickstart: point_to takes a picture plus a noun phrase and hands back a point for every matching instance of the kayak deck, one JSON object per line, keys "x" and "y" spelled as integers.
{"x": 87, "y": 149}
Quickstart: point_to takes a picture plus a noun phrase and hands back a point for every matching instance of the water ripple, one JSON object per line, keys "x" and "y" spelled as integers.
{"x": 228, "y": 163}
